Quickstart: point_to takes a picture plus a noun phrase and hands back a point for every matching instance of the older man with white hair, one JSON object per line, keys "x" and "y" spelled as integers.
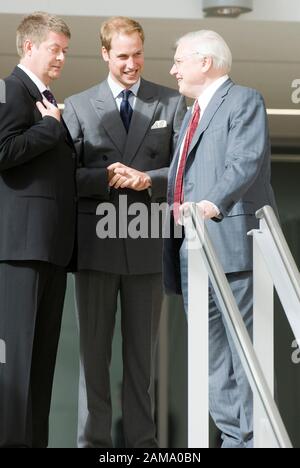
{"x": 222, "y": 163}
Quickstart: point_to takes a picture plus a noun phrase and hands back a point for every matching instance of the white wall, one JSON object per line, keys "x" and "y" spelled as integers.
{"x": 273, "y": 10}
{"x": 137, "y": 8}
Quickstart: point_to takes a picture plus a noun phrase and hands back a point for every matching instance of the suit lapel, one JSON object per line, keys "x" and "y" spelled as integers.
{"x": 32, "y": 88}
{"x": 107, "y": 111}
{"x": 210, "y": 111}
{"x": 69, "y": 139}
{"x": 145, "y": 105}
{"x": 37, "y": 96}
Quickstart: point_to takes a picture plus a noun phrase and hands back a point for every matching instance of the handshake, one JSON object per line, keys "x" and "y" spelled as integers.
{"x": 121, "y": 176}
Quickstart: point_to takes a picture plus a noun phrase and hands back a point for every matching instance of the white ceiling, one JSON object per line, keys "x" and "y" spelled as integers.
{"x": 266, "y": 57}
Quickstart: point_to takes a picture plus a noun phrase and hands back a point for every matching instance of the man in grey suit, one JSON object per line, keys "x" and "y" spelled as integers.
{"x": 125, "y": 130}
{"x": 225, "y": 168}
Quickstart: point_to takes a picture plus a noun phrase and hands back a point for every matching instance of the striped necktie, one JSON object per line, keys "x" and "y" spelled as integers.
{"x": 48, "y": 95}
{"x": 178, "y": 190}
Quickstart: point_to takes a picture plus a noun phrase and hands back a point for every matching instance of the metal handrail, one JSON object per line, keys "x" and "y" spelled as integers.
{"x": 267, "y": 213}
{"x": 238, "y": 330}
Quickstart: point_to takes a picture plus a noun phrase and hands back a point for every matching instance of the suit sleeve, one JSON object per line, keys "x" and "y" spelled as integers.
{"x": 248, "y": 141}
{"x": 159, "y": 177}
{"x": 21, "y": 139}
{"x": 91, "y": 182}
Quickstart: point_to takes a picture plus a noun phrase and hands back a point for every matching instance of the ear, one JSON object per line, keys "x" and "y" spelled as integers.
{"x": 27, "y": 47}
{"x": 207, "y": 63}
{"x": 105, "y": 54}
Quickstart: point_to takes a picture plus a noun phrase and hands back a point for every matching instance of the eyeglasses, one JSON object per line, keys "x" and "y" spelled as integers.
{"x": 180, "y": 60}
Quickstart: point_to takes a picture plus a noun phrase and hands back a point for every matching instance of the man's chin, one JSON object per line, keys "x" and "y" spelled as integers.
{"x": 181, "y": 88}
{"x": 131, "y": 80}
{"x": 54, "y": 75}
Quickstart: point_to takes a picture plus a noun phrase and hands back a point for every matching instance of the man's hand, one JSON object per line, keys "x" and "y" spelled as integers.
{"x": 206, "y": 209}
{"x": 48, "y": 109}
{"x": 127, "y": 177}
{"x": 111, "y": 170}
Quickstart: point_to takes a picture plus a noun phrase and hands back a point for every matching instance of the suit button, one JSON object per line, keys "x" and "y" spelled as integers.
{"x": 105, "y": 158}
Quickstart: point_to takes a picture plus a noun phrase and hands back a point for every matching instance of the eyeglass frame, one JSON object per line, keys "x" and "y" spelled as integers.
{"x": 180, "y": 60}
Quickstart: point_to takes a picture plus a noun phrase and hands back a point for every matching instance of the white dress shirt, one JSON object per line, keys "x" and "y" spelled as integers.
{"x": 39, "y": 84}
{"x": 205, "y": 98}
{"x": 117, "y": 89}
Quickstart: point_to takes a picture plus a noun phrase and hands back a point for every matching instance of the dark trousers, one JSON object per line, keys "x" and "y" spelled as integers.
{"x": 31, "y": 303}
{"x": 141, "y": 297}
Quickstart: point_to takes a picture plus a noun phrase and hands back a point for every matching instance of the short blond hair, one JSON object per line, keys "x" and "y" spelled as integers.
{"x": 36, "y": 27}
{"x": 119, "y": 24}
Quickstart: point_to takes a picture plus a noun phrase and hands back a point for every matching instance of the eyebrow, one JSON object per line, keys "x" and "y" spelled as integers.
{"x": 54, "y": 44}
{"x": 135, "y": 52}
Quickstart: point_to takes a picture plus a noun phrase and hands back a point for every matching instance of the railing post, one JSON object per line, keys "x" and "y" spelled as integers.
{"x": 2, "y": 352}
{"x": 281, "y": 264}
{"x": 198, "y": 344}
{"x": 263, "y": 341}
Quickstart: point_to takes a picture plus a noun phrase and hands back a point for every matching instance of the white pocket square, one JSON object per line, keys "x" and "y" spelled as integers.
{"x": 159, "y": 124}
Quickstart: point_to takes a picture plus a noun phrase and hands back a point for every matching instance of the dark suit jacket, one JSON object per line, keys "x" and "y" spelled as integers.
{"x": 37, "y": 183}
{"x": 99, "y": 135}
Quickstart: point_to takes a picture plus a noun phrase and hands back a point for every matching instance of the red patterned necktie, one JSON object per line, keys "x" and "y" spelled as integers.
{"x": 178, "y": 190}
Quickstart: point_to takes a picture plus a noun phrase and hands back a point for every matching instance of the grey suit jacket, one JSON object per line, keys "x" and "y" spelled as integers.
{"x": 100, "y": 138}
{"x": 228, "y": 164}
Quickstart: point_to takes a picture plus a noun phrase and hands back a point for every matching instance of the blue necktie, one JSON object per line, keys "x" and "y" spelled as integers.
{"x": 48, "y": 95}
{"x": 126, "y": 109}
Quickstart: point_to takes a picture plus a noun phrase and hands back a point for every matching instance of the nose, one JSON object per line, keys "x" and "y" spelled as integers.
{"x": 130, "y": 62}
{"x": 173, "y": 70}
{"x": 60, "y": 56}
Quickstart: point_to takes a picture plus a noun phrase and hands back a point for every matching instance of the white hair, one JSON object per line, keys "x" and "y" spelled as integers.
{"x": 210, "y": 44}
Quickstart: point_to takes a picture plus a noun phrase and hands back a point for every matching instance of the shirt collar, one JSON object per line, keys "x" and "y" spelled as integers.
{"x": 116, "y": 89}
{"x": 39, "y": 84}
{"x": 208, "y": 93}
